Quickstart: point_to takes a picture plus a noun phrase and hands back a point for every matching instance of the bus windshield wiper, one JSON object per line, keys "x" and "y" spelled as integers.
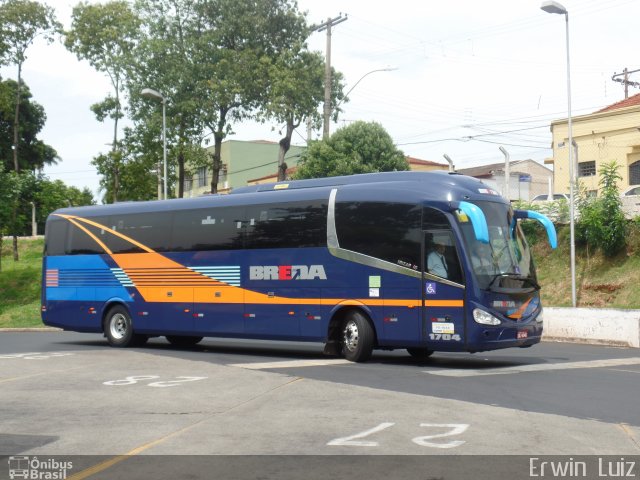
{"x": 515, "y": 276}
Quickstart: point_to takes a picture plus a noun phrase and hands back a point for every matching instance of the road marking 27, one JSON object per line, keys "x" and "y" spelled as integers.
{"x": 424, "y": 440}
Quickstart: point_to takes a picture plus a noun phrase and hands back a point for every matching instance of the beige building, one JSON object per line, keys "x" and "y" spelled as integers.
{"x": 527, "y": 178}
{"x": 612, "y": 133}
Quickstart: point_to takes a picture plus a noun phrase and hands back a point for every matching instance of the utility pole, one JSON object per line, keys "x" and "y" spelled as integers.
{"x": 327, "y": 71}
{"x": 625, "y": 80}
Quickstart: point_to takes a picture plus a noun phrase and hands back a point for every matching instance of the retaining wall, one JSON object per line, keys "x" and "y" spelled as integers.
{"x": 590, "y": 325}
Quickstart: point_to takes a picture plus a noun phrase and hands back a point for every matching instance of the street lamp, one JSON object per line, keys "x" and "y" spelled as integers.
{"x": 155, "y": 95}
{"x": 387, "y": 69}
{"x": 326, "y": 118}
{"x": 555, "y": 7}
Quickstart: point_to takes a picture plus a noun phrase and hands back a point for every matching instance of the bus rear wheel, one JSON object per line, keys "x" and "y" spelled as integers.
{"x": 357, "y": 338}
{"x": 183, "y": 340}
{"x": 420, "y": 353}
{"x": 118, "y": 329}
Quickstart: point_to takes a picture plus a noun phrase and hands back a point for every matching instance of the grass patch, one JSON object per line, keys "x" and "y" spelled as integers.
{"x": 20, "y": 284}
{"x": 610, "y": 282}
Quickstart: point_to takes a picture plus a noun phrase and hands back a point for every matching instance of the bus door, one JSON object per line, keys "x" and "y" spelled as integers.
{"x": 443, "y": 321}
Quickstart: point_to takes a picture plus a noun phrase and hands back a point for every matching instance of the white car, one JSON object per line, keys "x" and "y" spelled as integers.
{"x": 632, "y": 191}
{"x": 551, "y": 198}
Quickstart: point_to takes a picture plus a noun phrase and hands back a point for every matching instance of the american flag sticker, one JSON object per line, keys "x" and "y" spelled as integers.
{"x": 51, "y": 277}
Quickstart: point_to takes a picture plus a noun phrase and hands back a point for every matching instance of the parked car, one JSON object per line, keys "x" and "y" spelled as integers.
{"x": 632, "y": 191}
{"x": 551, "y": 198}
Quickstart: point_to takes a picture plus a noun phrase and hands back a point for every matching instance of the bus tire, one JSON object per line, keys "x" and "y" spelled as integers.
{"x": 357, "y": 338}
{"x": 183, "y": 340}
{"x": 420, "y": 353}
{"x": 118, "y": 328}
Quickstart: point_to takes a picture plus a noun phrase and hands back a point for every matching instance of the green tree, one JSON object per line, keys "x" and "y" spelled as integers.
{"x": 48, "y": 195}
{"x": 21, "y": 22}
{"x": 362, "y": 147}
{"x": 105, "y": 35}
{"x": 165, "y": 61}
{"x": 294, "y": 90}
{"x": 34, "y": 153}
{"x": 234, "y": 42}
{"x": 602, "y": 224}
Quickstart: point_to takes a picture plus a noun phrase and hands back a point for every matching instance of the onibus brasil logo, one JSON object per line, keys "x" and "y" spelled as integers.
{"x": 36, "y": 469}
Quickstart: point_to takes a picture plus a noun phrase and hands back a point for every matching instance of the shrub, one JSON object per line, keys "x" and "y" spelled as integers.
{"x": 602, "y": 224}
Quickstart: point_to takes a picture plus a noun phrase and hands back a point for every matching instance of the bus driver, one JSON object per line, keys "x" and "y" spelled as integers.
{"x": 436, "y": 262}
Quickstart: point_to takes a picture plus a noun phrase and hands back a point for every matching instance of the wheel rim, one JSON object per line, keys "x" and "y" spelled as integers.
{"x": 118, "y": 326}
{"x": 351, "y": 336}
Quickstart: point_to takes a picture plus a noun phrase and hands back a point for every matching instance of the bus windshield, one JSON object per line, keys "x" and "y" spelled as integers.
{"x": 506, "y": 261}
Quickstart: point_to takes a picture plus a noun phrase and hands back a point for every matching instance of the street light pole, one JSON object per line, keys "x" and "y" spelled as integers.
{"x": 386, "y": 69}
{"x": 555, "y": 7}
{"x": 155, "y": 95}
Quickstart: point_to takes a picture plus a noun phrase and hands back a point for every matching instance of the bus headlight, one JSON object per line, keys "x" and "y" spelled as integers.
{"x": 540, "y": 317}
{"x": 480, "y": 316}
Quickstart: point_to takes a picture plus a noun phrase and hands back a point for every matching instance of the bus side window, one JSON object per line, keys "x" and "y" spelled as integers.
{"x": 208, "y": 229}
{"x": 388, "y": 231}
{"x": 287, "y": 225}
{"x": 56, "y": 236}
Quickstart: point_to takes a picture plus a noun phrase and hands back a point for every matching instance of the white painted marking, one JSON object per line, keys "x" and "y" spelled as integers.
{"x": 291, "y": 364}
{"x": 538, "y": 367}
{"x": 132, "y": 380}
{"x": 351, "y": 442}
{"x": 454, "y": 429}
{"x": 174, "y": 383}
{"x": 35, "y": 355}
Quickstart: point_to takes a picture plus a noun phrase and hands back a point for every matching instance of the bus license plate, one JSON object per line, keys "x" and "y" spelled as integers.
{"x": 522, "y": 334}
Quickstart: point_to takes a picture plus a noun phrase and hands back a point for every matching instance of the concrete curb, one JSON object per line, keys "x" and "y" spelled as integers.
{"x": 594, "y": 326}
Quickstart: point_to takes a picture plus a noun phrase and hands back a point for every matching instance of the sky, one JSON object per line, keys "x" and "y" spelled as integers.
{"x": 467, "y": 77}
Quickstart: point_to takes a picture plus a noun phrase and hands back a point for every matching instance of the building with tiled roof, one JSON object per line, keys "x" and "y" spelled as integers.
{"x": 627, "y": 102}
{"x": 611, "y": 133}
{"x": 415, "y": 164}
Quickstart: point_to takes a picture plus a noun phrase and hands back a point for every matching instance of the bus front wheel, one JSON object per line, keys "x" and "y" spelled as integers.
{"x": 118, "y": 329}
{"x": 357, "y": 338}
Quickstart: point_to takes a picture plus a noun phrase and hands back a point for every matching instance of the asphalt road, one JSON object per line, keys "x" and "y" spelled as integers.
{"x": 70, "y": 394}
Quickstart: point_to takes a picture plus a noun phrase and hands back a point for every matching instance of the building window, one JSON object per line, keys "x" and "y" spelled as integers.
{"x": 634, "y": 173}
{"x": 188, "y": 184}
{"x": 222, "y": 177}
{"x": 202, "y": 177}
{"x": 587, "y": 169}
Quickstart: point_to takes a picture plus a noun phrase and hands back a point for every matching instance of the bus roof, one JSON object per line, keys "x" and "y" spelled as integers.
{"x": 434, "y": 186}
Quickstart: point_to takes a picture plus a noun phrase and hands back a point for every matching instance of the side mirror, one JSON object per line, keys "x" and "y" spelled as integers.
{"x": 544, "y": 220}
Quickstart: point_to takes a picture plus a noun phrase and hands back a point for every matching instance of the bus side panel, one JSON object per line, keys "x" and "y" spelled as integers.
{"x": 77, "y": 286}
{"x": 287, "y": 284}
{"x": 401, "y": 313}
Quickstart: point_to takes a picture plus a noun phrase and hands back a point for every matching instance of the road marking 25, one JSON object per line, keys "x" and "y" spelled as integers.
{"x": 132, "y": 380}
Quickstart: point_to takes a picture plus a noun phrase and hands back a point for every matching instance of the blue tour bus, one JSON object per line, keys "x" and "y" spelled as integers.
{"x": 424, "y": 261}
